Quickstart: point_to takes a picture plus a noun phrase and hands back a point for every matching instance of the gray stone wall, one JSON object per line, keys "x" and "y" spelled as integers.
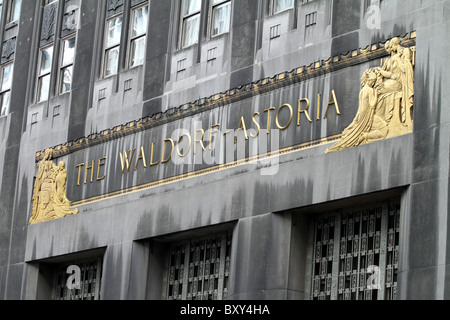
{"x": 269, "y": 234}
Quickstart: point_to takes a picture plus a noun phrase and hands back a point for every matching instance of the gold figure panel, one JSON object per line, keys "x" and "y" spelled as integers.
{"x": 49, "y": 193}
{"x": 385, "y": 100}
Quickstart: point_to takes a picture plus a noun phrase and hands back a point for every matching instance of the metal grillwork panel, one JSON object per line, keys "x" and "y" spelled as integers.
{"x": 199, "y": 269}
{"x": 90, "y": 281}
{"x": 355, "y": 254}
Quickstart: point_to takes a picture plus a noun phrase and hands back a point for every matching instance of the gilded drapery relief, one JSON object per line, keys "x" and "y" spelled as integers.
{"x": 49, "y": 193}
{"x": 385, "y": 100}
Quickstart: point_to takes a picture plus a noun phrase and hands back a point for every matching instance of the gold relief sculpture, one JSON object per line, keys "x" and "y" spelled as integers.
{"x": 49, "y": 193}
{"x": 385, "y": 101}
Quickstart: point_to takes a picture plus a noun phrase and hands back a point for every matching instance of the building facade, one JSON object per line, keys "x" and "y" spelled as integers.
{"x": 226, "y": 149}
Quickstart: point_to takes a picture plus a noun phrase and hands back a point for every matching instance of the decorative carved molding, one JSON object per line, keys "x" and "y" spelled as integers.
{"x": 49, "y": 22}
{"x": 9, "y": 48}
{"x": 49, "y": 194}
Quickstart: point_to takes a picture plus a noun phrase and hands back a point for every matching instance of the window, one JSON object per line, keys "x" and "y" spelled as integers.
{"x": 112, "y": 45}
{"x": 5, "y": 89}
{"x": 90, "y": 280}
{"x": 44, "y": 73}
{"x": 14, "y": 12}
{"x": 219, "y": 20}
{"x": 199, "y": 269}
{"x": 56, "y": 58}
{"x": 136, "y": 30}
{"x": 139, "y": 19}
{"x": 281, "y": 5}
{"x": 190, "y": 22}
{"x": 67, "y": 60}
{"x": 355, "y": 254}
{"x": 221, "y": 16}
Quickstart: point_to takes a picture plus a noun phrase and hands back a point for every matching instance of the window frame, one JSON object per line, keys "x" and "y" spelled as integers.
{"x": 62, "y": 67}
{"x": 212, "y": 7}
{"x": 40, "y": 76}
{"x": 107, "y": 48}
{"x": 183, "y": 18}
{"x": 56, "y": 63}
{"x": 132, "y": 38}
{"x": 8, "y": 90}
{"x": 12, "y": 12}
{"x": 206, "y": 23}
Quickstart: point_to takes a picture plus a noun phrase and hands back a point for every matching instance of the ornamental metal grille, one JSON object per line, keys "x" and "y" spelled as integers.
{"x": 355, "y": 254}
{"x": 199, "y": 269}
{"x": 90, "y": 280}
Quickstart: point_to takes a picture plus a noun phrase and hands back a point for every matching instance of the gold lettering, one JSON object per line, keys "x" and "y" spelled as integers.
{"x": 318, "y": 106}
{"x": 101, "y": 163}
{"x": 141, "y": 156}
{"x": 164, "y": 150}
{"x": 151, "y": 157}
{"x": 268, "y": 118}
{"x": 127, "y": 161}
{"x": 242, "y": 127}
{"x": 211, "y": 131}
{"x": 290, "y": 116}
{"x": 257, "y": 125}
{"x": 332, "y": 100}
{"x": 189, "y": 147}
{"x": 305, "y": 111}
{"x": 199, "y": 140}
{"x": 79, "y": 172}
{"x": 88, "y": 167}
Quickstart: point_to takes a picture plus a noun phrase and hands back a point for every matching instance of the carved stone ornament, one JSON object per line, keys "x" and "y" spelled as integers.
{"x": 9, "y": 47}
{"x": 49, "y": 21}
{"x": 385, "y": 100}
{"x": 71, "y": 17}
{"x": 49, "y": 194}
